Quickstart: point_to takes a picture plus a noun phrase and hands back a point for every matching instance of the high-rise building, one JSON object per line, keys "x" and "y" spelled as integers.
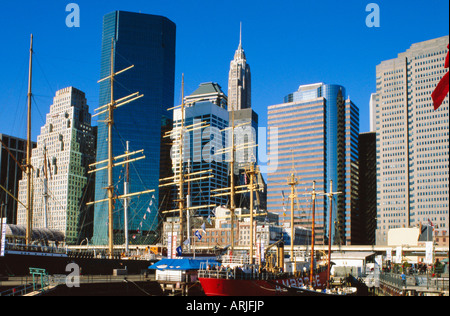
{"x": 147, "y": 42}
{"x": 412, "y": 140}
{"x": 315, "y": 135}
{"x": 245, "y": 121}
{"x": 203, "y": 148}
{"x": 61, "y": 185}
{"x": 11, "y": 174}
{"x": 239, "y": 81}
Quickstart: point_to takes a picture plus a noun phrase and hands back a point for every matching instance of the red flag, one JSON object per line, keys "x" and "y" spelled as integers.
{"x": 441, "y": 90}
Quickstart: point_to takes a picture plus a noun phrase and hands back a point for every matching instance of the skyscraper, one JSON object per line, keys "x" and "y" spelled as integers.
{"x": 412, "y": 140}
{"x": 203, "y": 148}
{"x": 61, "y": 185}
{"x": 245, "y": 119}
{"x": 147, "y": 42}
{"x": 315, "y": 135}
{"x": 239, "y": 81}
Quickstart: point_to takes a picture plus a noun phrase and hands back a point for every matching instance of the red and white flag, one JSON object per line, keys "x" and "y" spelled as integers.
{"x": 441, "y": 90}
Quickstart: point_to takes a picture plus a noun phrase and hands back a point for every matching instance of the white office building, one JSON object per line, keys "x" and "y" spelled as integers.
{"x": 412, "y": 140}
{"x": 65, "y": 148}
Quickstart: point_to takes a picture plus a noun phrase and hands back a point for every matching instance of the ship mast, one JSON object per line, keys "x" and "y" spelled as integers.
{"x": 330, "y": 196}
{"x": 126, "y": 190}
{"x": 29, "y": 208}
{"x": 292, "y": 182}
{"x": 311, "y": 271}
{"x": 252, "y": 171}
{"x": 182, "y": 178}
{"x": 109, "y": 110}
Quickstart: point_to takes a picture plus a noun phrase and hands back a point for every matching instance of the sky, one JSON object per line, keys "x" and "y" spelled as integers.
{"x": 287, "y": 44}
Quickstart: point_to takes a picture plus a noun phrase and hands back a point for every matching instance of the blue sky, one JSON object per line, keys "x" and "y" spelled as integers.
{"x": 287, "y": 43}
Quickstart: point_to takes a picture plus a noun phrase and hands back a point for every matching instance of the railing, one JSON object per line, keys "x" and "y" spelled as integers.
{"x": 34, "y": 248}
{"x": 234, "y": 274}
{"x": 421, "y": 281}
{"x": 230, "y": 259}
{"x": 19, "y": 291}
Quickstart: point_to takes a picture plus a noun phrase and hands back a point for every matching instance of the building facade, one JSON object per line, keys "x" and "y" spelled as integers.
{"x": 11, "y": 174}
{"x": 61, "y": 185}
{"x": 314, "y": 134}
{"x": 239, "y": 81}
{"x": 147, "y": 42}
{"x": 412, "y": 140}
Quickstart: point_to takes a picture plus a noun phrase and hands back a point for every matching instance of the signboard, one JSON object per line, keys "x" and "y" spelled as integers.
{"x": 172, "y": 245}
{"x": 429, "y": 252}
{"x": 389, "y": 254}
{"x": 398, "y": 255}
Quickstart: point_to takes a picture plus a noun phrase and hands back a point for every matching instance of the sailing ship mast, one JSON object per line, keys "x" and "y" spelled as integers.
{"x": 233, "y": 190}
{"x": 252, "y": 172}
{"x": 29, "y": 168}
{"x": 109, "y": 109}
{"x": 292, "y": 182}
{"x": 330, "y": 196}
{"x": 311, "y": 271}
{"x": 182, "y": 178}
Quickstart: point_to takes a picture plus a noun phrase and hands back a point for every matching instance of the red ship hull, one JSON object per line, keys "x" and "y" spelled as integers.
{"x": 289, "y": 286}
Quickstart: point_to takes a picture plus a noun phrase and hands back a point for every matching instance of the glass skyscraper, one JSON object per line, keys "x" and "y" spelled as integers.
{"x": 147, "y": 42}
{"x": 317, "y": 138}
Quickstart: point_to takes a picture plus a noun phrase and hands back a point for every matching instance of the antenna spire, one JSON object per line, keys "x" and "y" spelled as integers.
{"x": 240, "y": 36}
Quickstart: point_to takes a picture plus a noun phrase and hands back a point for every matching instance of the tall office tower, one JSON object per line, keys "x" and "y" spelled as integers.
{"x": 202, "y": 147}
{"x": 368, "y": 186}
{"x": 412, "y": 140}
{"x": 239, "y": 81}
{"x": 61, "y": 185}
{"x": 147, "y": 42}
{"x": 245, "y": 119}
{"x": 11, "y": 174}
{"x": 315, "y": 135}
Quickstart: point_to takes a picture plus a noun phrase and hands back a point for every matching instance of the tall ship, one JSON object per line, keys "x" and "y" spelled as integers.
{"x": 242, "y": 277}
{"x": 24, "y": 247}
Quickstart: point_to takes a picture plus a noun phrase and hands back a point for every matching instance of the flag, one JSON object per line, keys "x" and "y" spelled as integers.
{"x": 441, "y": 90}
{"x": 209, "y": 219}
{"x": 203, "y": 228}
{"x": 179, "y": 251}
{"x": 187, "y": 242}
{"x": 199, "y": 236}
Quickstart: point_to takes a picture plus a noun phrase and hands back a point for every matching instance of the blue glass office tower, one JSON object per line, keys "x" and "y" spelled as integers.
{"x": 147, "y": 42}
{"x": 317, "y": 138}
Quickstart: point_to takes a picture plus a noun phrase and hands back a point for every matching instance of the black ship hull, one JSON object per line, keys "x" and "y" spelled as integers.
{"x": 18, "y": 264}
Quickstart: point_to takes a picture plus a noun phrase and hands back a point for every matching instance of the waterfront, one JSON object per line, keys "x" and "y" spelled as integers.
{"x": 382, "y": 284}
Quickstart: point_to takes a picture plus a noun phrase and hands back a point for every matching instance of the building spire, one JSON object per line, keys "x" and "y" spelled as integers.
{"x": 240, "y": 37}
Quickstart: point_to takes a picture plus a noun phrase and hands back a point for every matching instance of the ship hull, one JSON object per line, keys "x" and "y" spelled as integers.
{"x": 288, "y": 286}
{"x": 13, "y": 264}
